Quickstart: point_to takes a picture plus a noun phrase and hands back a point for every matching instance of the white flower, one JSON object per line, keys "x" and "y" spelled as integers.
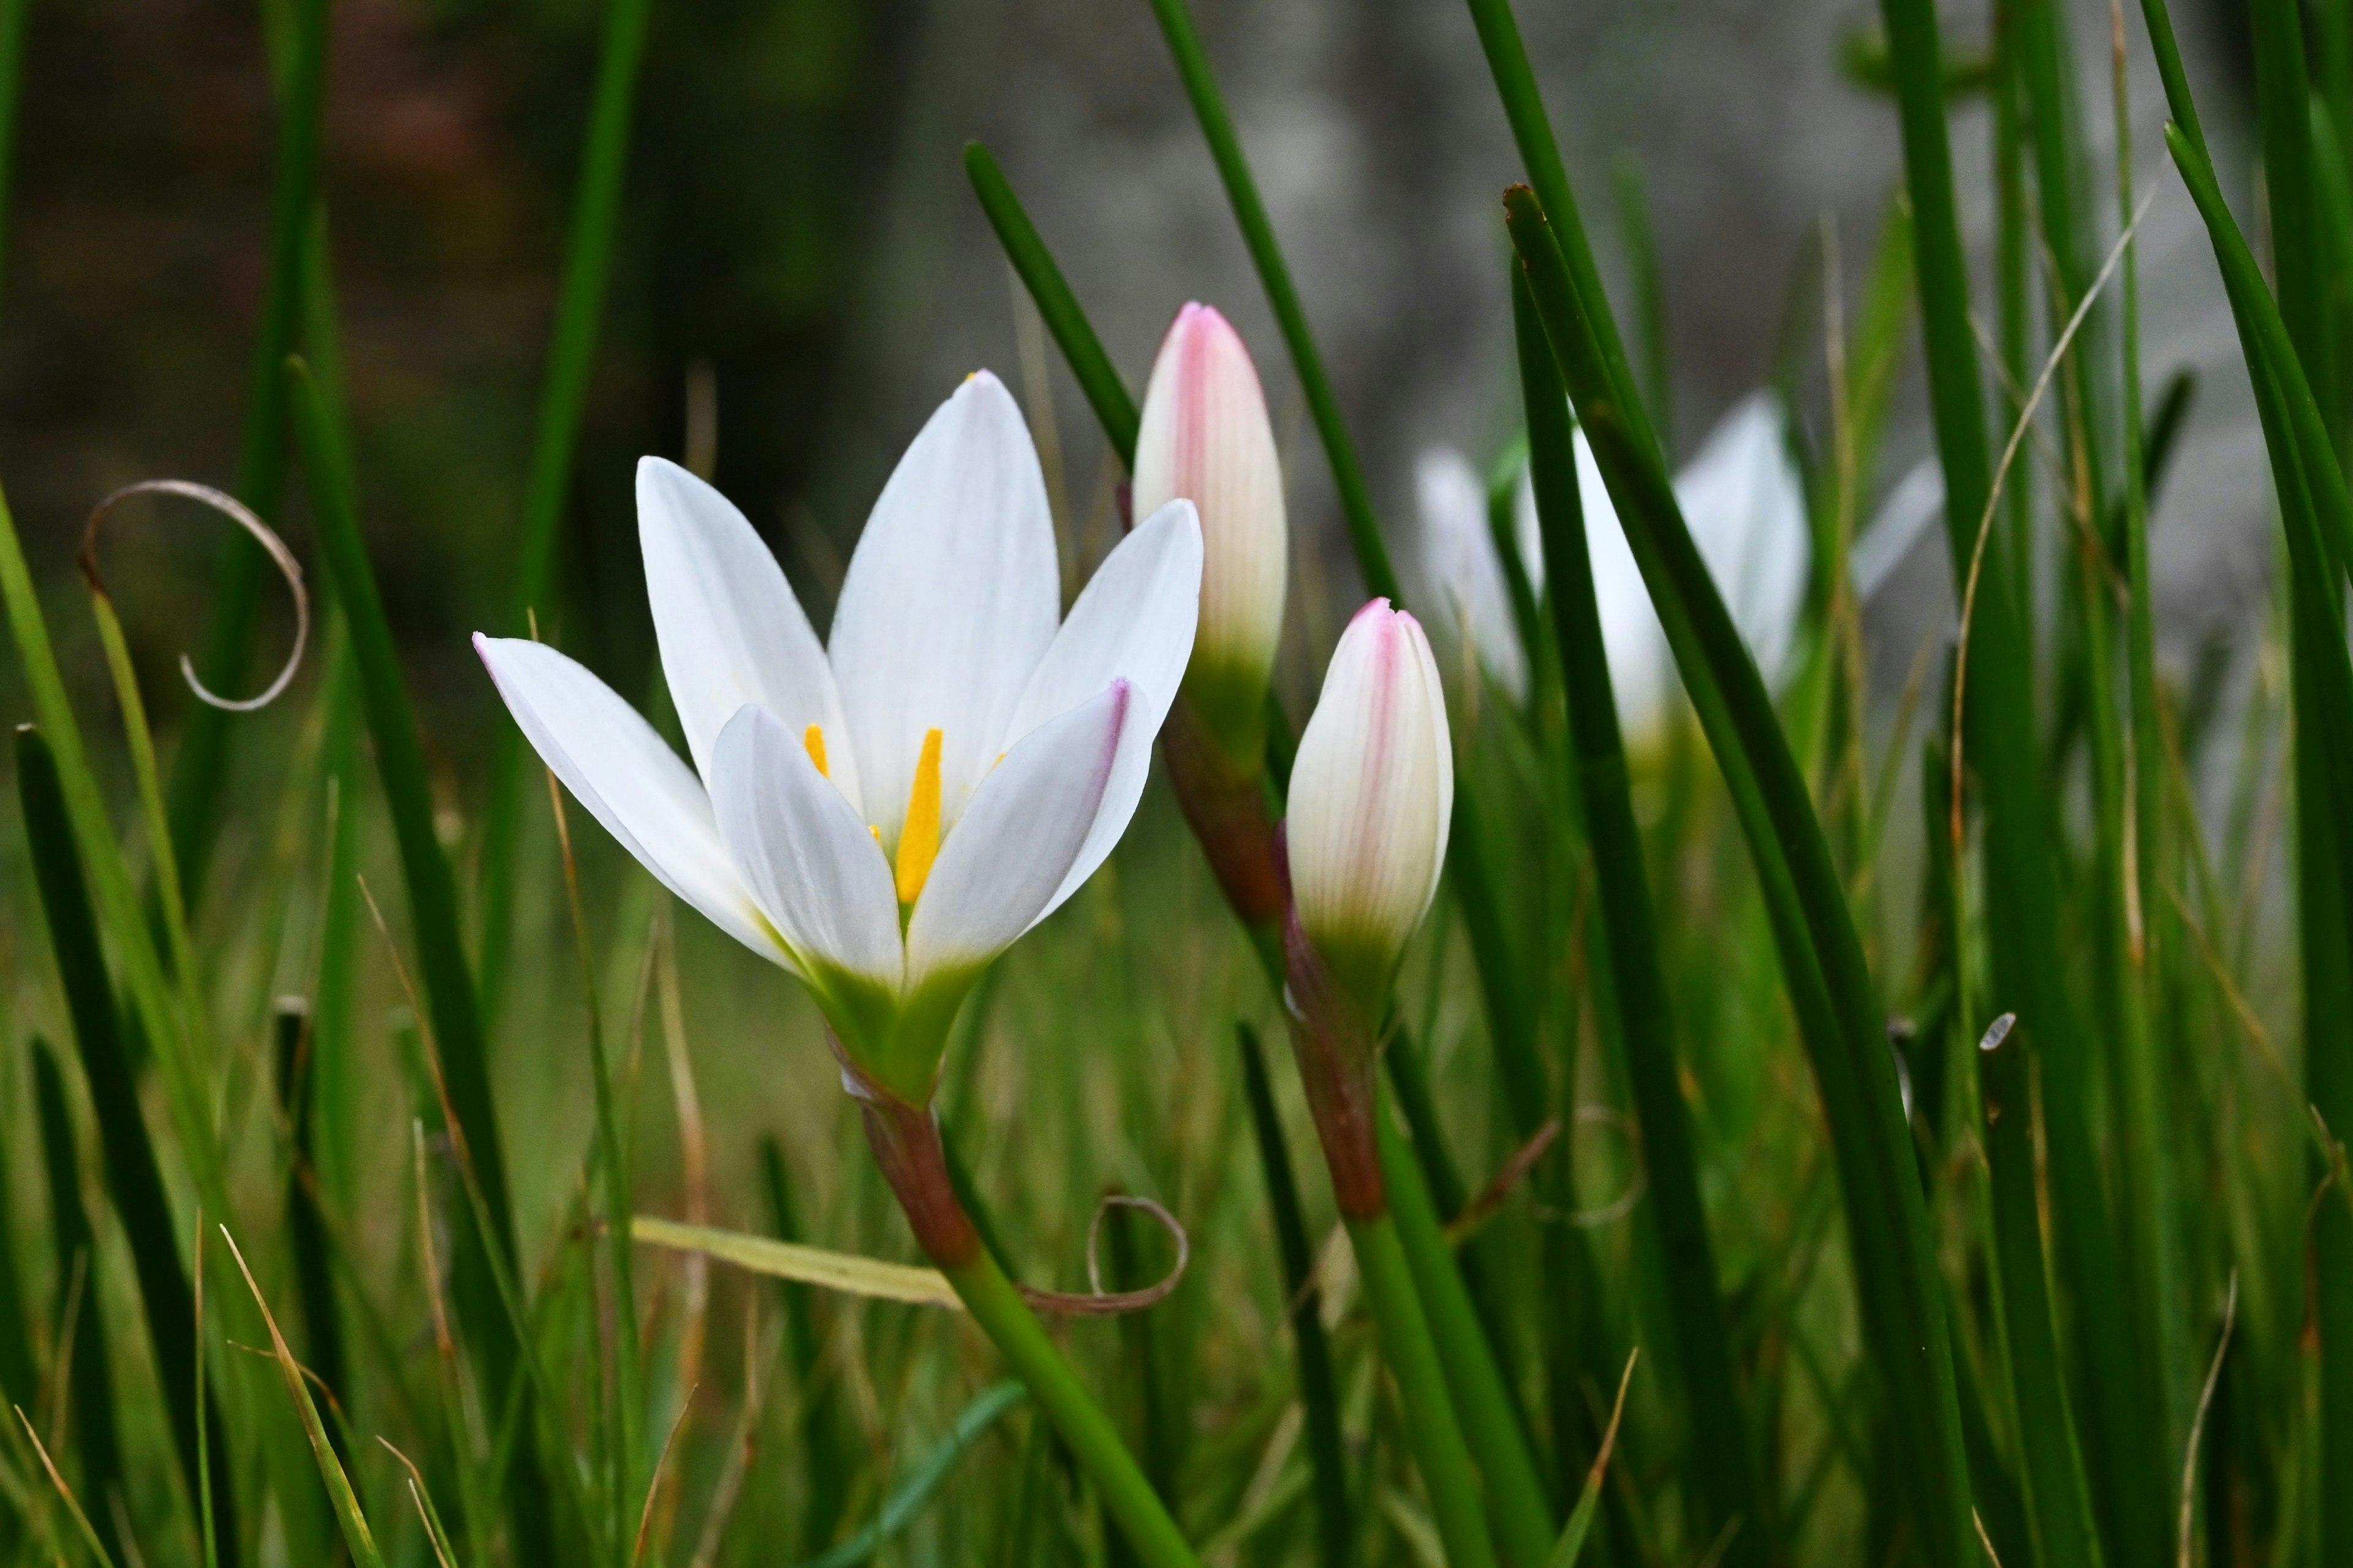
{"x": 881, "y": 817}
{"x": 1204, "y": 435}
{"x": 1372, "y": 798}
{"x": 1742, "y": 499}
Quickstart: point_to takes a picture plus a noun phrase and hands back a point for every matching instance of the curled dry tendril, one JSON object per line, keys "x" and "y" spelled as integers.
{"x": 1102, "y": 1303}
{"x": 243, "y": 516}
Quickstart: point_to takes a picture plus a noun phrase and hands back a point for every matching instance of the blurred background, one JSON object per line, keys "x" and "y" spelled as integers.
{"x": 797, "y": 221}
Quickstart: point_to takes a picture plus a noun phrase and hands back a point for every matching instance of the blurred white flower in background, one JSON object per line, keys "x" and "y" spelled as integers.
{"x": 1745, "y": 503}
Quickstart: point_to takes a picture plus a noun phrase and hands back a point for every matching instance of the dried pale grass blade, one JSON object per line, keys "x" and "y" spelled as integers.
{"x": 842, "y": 1271}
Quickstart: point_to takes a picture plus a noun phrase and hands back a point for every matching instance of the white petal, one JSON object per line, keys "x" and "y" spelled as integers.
{"x": 1372, "y": 794}
{"x": 1204, "y": 435}
{"x": 809, "y": 861}
{"x": 615, "y": 765}
{"x": 1642, "y": 670}
{"x": 1134, "y": 622}
{"x": 1457, "y": 556}
{"x": 730, "y": 630}
{"x": 950, "y": 601}
{"x": 1746, "y": 504}
{"x": 1002, "y": 869}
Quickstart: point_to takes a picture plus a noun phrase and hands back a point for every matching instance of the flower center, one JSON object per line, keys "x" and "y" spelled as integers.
{"x": 919, "y": 836}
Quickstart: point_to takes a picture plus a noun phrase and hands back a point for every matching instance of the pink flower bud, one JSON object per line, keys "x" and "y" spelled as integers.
{"x": 1372, "y": 795}
{"x": 1205, "y": 436}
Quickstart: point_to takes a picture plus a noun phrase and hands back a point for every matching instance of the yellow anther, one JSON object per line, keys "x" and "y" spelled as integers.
{"x": 875, "y": 830}
{"x": 919, "y": 836}
{"x": 813, "y": 742}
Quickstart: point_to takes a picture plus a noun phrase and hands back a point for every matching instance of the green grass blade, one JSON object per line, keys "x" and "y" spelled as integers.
{"x": 908, "y": 1498}
{"x": 13, "y": 17}
{"x": 1625, "y": 938}
{"x": 306, "y": 1227}
{"x": 1640, "y": 242}
{"x": 572, "y": 353}
{"x": 1829, "y": 983}
{"x": 133, "y": 1179}
{"x": 1318, "y": 1393}
{"x": 1515, "y": 85}
{"x": 1074, "y": 334}
{"x": 356, "y": 1534}
{"x": 200, "y": 771}
{"x": 2058, "y": 1497}
{"x": 432, "y": 911}
{"x": 19, "y": 1380}
{"x": 75, "y": 1318}
{"x": 1275, "y": 274}
{"x": 2149, "y": 1212}
{"x": 1571, "y": 1544}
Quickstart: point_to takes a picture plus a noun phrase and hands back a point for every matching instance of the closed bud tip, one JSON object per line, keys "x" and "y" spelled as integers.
{"x": 1205, "y": 436}
{"x": 1372, "y": 794}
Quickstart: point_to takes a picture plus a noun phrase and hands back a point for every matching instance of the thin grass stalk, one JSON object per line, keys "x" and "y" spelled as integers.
{"x": 133, "y": 1179}
{"x": 2147, "y": 1166}
{"x": 356, "y": 1534}
{"x": 1829, "y": 983}
{"x": 76, "y": 1320}
{"x": 572, "y": 354}
{"x": 1624, "y": 936}
{"x": 1303, "y": 1310}
{"x": 449, "y": 996}
{"x": 628, "y": 1376}
{"x": 200, "y": 772}
{"x": 1275, "y": 274}
{"x": 2058, "y": 1497}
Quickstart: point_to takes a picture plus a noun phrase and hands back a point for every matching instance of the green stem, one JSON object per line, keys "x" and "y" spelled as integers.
{"x": 1490, "y": 1419}
{"x": 997, "y": 1307}
{"x": 1432, "y": 1429}
{"x": 572, "y": 353}
{"x": 1274, "y": 274}
{"x": 1082, "y": 349}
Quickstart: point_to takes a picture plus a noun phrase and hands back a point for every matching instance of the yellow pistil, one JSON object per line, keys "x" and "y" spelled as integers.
{"x": 813, "y": 742}
{"x": 919, "y": 836}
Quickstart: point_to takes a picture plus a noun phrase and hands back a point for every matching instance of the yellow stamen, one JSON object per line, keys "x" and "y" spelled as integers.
{"x": 870, "y": 828}
{"x": 813, "y": 742}
{"x": 919, "y": 836}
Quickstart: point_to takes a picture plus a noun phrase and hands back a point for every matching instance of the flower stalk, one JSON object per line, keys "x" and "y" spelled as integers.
{"x": 906, "y": 1140}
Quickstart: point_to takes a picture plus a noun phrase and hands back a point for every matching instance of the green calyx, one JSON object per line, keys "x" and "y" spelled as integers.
{"x": 894, "y": 1038}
